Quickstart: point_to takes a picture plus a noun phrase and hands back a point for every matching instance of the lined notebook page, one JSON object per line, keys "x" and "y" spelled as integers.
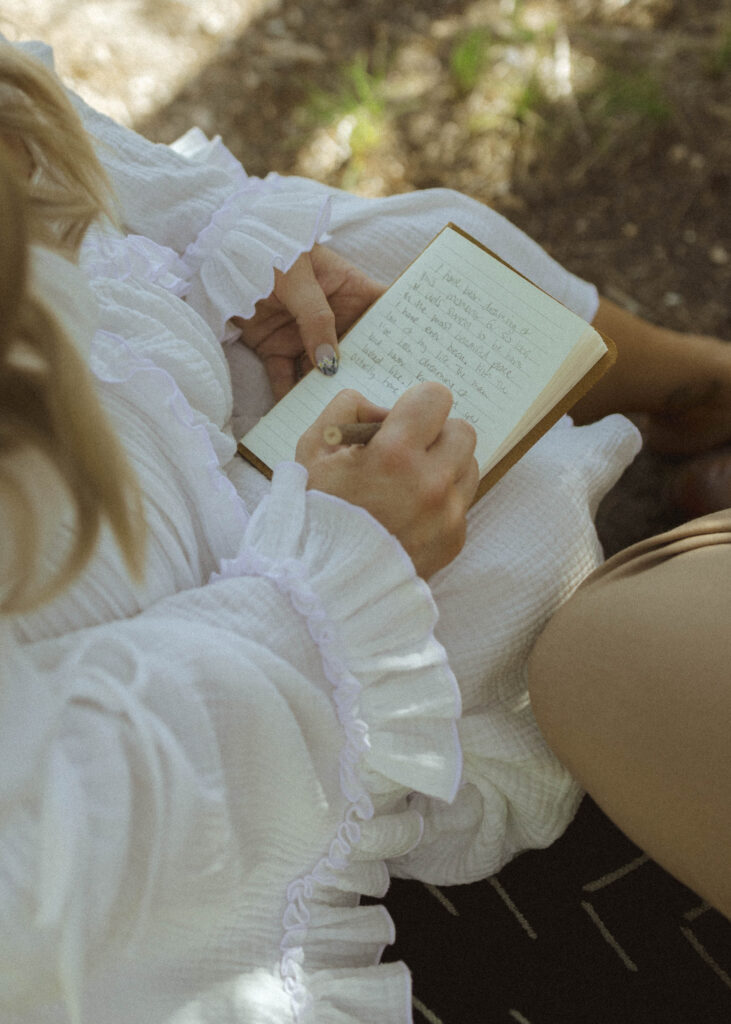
{"x": 459, "y": 316}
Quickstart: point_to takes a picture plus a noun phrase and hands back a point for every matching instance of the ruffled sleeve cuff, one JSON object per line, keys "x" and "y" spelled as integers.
{"x": 195, "y": 197}
{"x": 397, "y": 701}
{"x": 257, "y": 229}
{"x": 373, "y": 620}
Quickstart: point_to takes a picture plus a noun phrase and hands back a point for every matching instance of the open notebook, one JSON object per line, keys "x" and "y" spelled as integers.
{"x": 514, "y": 358}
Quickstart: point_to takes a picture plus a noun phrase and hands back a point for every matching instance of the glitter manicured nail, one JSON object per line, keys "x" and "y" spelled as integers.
{"x": 326, "y": 360}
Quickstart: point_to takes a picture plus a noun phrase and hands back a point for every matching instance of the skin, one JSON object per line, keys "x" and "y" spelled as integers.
{"x": 649, "y": 755}
{"x": 625, "y": 687}
{"x": 418, "y": 476}
{"x": 679, "y": 384}
{"x": 314, "y": 303}
{"x": 650, "y": 749}
{"x": 617, "y": 680}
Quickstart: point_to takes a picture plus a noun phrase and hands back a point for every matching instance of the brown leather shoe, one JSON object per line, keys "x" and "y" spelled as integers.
{"x": 703, "y": 485}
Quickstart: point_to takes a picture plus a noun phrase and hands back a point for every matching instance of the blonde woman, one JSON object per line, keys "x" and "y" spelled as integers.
{"x": 227, "y": 708}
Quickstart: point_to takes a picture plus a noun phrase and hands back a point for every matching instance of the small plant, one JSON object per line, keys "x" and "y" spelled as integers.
{"x": 353, "y": 114}
{"x": 638, "y": 93}
{"x": 720, "y": 60}
{"x": 469, "y": 58}
{"x": 359, "y": 95}
{"x": 529, "y": 98}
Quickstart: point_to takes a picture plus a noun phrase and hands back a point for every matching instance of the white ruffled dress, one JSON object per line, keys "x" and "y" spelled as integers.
{"x": 200, "y": 775}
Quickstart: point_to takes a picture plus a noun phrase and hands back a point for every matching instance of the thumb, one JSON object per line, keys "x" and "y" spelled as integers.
{"x": 300, "y": 292}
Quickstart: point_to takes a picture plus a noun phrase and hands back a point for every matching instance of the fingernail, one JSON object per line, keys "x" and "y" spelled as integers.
{"x": 326, "y": 360}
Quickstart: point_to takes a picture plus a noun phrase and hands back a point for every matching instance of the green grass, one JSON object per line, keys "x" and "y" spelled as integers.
{"x": 469, "y": 58}
{"x": 529, "y": 98}
{"x": 636, "y": 93}
{"x": 720, "y": 60}
{"x": 359, "y": 94}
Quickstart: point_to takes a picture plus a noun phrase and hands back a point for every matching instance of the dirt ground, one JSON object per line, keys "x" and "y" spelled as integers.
{"x": 601, "y": 127}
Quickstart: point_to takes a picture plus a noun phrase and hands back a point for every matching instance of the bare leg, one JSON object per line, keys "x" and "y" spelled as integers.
{"x": 680, "y": 382}
{"x": 630, "y": 683}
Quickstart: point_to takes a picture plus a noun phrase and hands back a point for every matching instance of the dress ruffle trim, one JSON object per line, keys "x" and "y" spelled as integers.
{"x": 231, "y": 264}
{"x": 223, "y": 512}
{"x": 106, "y": 254}
{"x": 398, "y": 712}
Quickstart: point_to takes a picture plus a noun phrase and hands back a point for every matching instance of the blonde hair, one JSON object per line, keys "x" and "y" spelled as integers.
{"x": 48, "y": 405}
{"x": 69, "y": 188}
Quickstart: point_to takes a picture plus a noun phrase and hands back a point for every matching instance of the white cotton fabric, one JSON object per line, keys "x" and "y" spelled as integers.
{"x": 57, "y": 282}
{"x": 201, "y": 774}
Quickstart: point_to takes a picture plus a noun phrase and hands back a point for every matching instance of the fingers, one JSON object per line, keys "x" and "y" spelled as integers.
{"x": 350, "y": 291}
{"x": 468, "y": 483}
{"x": 450, "y": 477}
{"x": 282, "y": 375}
{"x": 348, "y": 406}
{"x": 312, "y": 305}
{"x": 417, "y": 475}
{"x": 417, "y": 423}
{"x": 433, "y": 457}
{"x": 300, "y": 292}
{"x": 419, "y": 415}
{"x": 455, "y": 446}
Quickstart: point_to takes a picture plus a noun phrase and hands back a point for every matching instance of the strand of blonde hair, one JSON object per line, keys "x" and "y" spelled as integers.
{"x": 48, "y": 405}
{"x": 68, "y": 189}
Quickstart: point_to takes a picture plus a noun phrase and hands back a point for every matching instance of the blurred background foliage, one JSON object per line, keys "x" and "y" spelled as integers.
{"x": 601, "y": 127}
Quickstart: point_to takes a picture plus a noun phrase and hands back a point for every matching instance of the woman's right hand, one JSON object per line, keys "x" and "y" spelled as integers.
{"x": 417, "y": 476}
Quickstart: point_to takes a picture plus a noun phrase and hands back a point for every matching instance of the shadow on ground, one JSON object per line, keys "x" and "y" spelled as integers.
{"x": 601, "y": 128}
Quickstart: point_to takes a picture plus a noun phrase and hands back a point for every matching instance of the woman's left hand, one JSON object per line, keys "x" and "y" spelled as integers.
{"x": 299, "y": 324}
